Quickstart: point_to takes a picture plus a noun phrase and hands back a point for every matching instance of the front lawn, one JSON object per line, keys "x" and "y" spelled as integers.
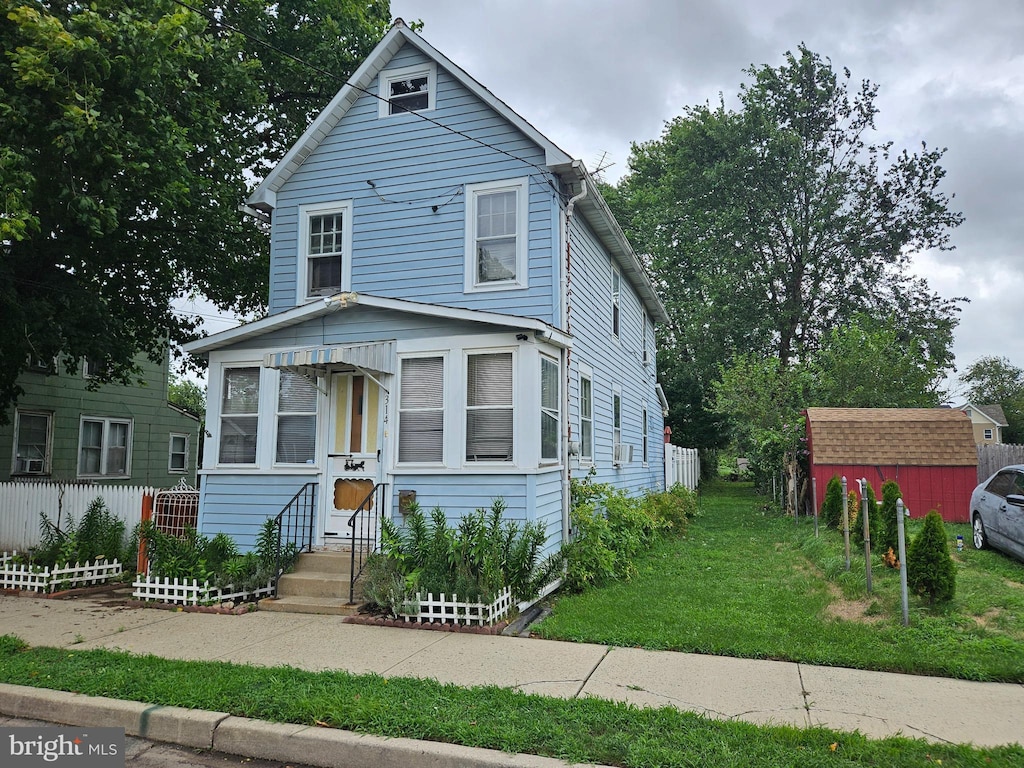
{"x": 578, "y": 730}
{"x": 746, "y": 581}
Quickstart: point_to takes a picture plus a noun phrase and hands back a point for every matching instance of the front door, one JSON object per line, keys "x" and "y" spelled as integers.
{"x": 353, "y": 460}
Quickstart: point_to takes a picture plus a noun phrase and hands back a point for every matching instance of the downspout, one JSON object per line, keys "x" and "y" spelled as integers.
{"x": 566, "y": 353}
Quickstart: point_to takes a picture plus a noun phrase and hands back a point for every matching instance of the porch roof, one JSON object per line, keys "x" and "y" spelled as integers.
{"x": 379, "y": 356}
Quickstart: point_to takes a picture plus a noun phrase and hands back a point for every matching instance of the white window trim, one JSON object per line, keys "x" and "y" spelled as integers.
{"x": 616, "y": 430}
{"x": 171, "y": 469}
{"x": 522, "y": 189}
{"x": 645, "y": 351}
{"x": 988, "y": 434}
{"x": 306, "y": 212}
{"x": 616, "y": 303}
{"x": 645, "y": 435}
{"x": 105, "y": 447}
{"x": 586, "y": 373}
{"x": 48, "y": 450}
{"x": 277, "y": 414}
{"x": 445, "y": 409}
{"x": 556, "y": 412}
{"x": 215, "y": 416}
{"x": 388, "y": 76}
{"x": 516, "y": 407}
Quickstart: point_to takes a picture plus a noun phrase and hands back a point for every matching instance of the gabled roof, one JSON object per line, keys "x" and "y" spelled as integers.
{"x": 343, "y": 301}
{"x": 264, "y": 197}
{"x": 937, "y": 437}
{"x": 993, "y": 413}
{"x": 592, "y": 205}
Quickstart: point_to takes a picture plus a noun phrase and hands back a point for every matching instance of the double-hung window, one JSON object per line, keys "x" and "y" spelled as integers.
{"x": 296, "y": 419}
{"x": 239, "y": 415}
{"x": 586, "y": 417}
{"x": 645, "y": 353}
{"x": 550, "y": 408}
{"x": 177, "y": 457}
{"x": 326, "y": 245}
{"x": 988, "y": 434}
{"x": 421, "y": 411}
{"x": 32, "y": 441}
{"x": 408, "y": 89}
{"x": 489, "y": 407}
{"x": 496, "y": 240}
{"x": 104, "y": 447}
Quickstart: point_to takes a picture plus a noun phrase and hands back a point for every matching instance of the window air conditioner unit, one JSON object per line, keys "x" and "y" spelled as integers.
{"x": 622, "y": 453}
{"x": 30, "y": 466}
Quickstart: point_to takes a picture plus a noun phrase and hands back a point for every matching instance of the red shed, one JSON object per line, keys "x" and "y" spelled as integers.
{"x": 930, "y": 452}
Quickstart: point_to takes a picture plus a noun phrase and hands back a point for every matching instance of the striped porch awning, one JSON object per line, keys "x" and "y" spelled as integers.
{"x": 379, "y": 356}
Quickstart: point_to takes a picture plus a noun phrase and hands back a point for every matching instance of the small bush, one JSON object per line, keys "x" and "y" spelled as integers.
{"x": 99, "y": 535}
{"x": 384, "y": 584}
{"x": 610, "y": 528}
{"x": 888, "y": 532}
{"x": 930, "y": 569}
{"x": 476, "y": 560}
{"x": 832, "y": 506}
{"x": 874, "y": 519}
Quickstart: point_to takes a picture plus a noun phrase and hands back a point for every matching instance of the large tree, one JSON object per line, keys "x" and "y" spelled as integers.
{"x": 993, "y": 380}
{"x": 774, "y": 224}
{"x": 130, "y": 133}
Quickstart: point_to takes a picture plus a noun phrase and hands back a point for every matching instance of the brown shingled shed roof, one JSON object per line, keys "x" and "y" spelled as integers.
{"x": 929, "y": 437}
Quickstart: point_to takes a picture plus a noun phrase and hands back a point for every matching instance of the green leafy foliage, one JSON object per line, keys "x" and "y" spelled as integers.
{"x": 611, "y": 528}
{"x": 100, "y": 534}
{"x": 129, "y": 135}
{"x": 215, "y": 560}
{"x": 888, "y": 531}
{"x": 475, "y": 560}
{"x": 930, "y": 569}
{"x": 832, "y": 506}
{"x": 874, "y": 520}
{"x": 992, "y": 380}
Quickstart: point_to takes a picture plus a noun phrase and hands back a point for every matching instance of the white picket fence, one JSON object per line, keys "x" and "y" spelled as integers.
{"x": 191, "y": 592}
{"x": 450, "y": 610}
{"x": 682, "y": 465}
{"x": 22, "y": 503}
{"x": 35, "y": 579}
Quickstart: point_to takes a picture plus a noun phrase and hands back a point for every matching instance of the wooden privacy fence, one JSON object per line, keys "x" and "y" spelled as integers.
{"x": 993, "y": 457}
{"x": 21, "y": 506}
{"x": 682, "y": 465}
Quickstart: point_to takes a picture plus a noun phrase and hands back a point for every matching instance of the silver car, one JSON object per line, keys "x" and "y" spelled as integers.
{"x": 997, "y": 512}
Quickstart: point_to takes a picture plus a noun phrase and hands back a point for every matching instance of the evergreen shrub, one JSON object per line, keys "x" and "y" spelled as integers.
{"x": 930, "y": 569}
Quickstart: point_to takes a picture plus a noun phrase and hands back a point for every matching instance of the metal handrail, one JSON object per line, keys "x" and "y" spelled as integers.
{"x": 369, "y": 529}
{"x": 298, "y": 517}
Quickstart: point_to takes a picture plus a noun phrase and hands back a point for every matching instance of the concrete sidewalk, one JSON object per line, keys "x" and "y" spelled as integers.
{"x": 764, "y": 692}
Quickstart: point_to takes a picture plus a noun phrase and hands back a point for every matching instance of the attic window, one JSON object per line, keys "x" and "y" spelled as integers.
{"x": 409, "y": 89}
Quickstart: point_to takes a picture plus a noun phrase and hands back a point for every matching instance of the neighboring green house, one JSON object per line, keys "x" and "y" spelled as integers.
{"x": 62, "y": 431}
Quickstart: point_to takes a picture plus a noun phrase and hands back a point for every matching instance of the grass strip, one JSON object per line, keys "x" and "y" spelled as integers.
{"x": 577, "y": 730}
{"x": 747, "y": 581}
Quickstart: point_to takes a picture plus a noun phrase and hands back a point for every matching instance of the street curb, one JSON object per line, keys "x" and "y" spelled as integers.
{"x": 324, "y": 747}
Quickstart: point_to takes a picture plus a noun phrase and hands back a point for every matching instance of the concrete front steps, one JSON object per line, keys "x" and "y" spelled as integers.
{"x": 318, "y": 584}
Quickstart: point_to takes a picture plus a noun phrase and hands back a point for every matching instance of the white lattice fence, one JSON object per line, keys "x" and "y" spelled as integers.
{"x": 191, "y": 592}
{"x": 32, "y": 578}
{"x": 451, "y": 610}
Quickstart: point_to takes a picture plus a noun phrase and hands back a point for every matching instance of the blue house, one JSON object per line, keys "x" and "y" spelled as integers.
{"x": 454, "y": 316}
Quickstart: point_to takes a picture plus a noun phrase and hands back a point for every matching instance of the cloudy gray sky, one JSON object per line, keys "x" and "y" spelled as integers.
{"x": 596, "y": 75}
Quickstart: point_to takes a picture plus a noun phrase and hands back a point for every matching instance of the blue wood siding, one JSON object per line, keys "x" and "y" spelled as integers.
{"x": 527, "y": 497}
{"x": 360, "y": 325}
{"x": 401, "y": 247}
{"x": 614, "y": 362}
{"x": 238, "y": 505}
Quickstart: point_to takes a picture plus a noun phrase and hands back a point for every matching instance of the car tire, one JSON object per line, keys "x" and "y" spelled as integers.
{"x": 980, "y": 539}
